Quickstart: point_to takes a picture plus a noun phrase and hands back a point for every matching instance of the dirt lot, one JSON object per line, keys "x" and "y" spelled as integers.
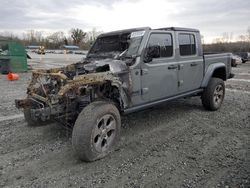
{"x": 178, "y": 144}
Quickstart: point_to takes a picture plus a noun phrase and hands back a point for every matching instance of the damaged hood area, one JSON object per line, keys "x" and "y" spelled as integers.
{"x": 59, "y": 81}
{"x": 114, "y": 66}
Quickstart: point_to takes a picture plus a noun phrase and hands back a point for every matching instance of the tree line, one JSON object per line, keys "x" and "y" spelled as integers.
{"x": 227, "y": 43}
{"x": 76, "y": 36}
{"x": 56, "y": 39}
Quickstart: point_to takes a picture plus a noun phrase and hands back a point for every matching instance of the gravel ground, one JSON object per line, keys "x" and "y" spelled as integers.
{"x": 178, "y": 144}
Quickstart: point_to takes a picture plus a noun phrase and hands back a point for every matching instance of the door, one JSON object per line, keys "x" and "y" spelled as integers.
{"x": 159, "y": 73}
{"x": 190, "y": 73}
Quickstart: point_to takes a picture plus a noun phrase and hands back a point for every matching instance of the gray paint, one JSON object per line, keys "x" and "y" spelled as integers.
{"x": 154, "y": 81}
{"x": 158, "y": 83}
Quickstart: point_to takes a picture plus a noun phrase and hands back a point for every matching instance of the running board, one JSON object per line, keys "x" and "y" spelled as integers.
{"x": 158, "y": 102}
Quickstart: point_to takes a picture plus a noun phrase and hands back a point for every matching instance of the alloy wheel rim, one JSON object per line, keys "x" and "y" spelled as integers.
{"x": 104, "y": 133}
{"x": 218, "y": 94}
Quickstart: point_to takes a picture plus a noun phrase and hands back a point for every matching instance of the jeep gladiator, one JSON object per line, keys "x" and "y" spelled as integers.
{"x": 123, "y": 72}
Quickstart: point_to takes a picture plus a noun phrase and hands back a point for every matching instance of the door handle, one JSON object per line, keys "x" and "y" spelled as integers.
{"x": 172, "y": 67}
{"x": 193, "y": 64}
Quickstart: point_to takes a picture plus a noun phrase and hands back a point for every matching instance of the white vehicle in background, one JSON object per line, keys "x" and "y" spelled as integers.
{"x": 245, "y": 56}
{"x": 236, "y": 60}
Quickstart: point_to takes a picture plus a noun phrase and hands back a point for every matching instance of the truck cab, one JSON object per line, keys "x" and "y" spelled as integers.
{"x": 171, "y": 63}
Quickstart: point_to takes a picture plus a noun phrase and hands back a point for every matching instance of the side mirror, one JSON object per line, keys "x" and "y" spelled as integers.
{"x": 151, "y": 52}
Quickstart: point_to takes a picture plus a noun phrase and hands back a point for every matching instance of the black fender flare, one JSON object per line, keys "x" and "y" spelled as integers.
{"x": 210, "y": 70}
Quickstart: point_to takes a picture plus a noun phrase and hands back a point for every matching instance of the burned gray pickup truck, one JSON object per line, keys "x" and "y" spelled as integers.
{"x": 123, "y": 72}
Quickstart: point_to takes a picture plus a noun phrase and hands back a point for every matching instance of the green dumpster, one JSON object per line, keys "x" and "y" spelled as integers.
{"x": 13, "y": 57}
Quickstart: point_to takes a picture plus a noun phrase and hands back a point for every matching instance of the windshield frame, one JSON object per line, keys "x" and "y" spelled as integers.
{"x": 130, "y": 52}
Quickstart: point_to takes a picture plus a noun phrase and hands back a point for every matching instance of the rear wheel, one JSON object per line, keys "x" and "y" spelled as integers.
{"x": 213, "y": 94}
{"x": 96, "y": 131}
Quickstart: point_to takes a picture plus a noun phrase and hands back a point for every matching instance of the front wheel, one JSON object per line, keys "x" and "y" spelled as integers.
{"x": 96, "y": 131}
{"x": 213, "y": 94}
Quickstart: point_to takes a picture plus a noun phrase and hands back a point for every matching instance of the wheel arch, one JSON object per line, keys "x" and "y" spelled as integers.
{"x": 217, "y": 70}
{"x": 122, "y": 100}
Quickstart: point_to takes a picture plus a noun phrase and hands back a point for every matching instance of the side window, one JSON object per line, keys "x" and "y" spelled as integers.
{"x": 187, "y": 44}
{"x": 162, "y": 42}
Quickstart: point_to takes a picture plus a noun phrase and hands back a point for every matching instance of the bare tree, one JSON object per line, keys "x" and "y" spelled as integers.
{"x": 242, "y": 38}
{"x": 202, "y": 39}
{"x": 56, "y": 39}
{"x": 31, "y": 36}
{"x": 38, "y": 36}
{"x": 93, "y": 34}
{"x": 77, "y": 35}
{"x": 217, "y": 40}
{"x": 231, "y": 37}
{"x": 225, "y": 37}
{"x": 8, "y": 34}
{"x": 248, "y": 33}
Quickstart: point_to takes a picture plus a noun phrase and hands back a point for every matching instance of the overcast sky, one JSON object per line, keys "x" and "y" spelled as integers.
{"x": 211, "y": 17}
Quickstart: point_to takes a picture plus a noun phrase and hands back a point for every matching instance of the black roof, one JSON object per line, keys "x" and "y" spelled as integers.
{"x": 145, "y": 28}
{"x": 178, "y": 29}
{"x": 124, "y": 31}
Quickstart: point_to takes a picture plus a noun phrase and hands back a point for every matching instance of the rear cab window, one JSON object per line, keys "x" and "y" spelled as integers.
{"x": 187, "y": 44}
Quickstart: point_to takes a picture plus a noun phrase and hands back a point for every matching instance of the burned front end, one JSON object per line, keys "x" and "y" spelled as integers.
{"x": 61, "y": 93}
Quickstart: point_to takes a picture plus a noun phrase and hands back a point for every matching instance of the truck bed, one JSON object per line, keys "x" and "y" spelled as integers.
{"x": 224, "y": 58}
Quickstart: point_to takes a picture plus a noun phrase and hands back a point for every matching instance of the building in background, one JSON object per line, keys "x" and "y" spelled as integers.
{"x": 70, "y": 49}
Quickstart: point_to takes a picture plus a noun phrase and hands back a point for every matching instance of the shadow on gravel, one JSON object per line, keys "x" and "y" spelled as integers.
{"x": 169, "y": 111}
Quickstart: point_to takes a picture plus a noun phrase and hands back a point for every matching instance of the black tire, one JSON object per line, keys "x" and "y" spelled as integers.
{"x": 32, "y": 122}
{"x": 96, "y": 131}
{"x": 213, "y": 94}
{"x": 244, "y": 61}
